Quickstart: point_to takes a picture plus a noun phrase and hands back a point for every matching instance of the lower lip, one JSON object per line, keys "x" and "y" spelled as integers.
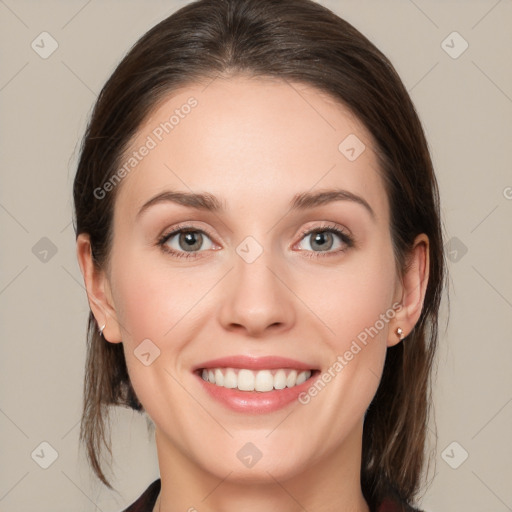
{"x": 256, "y": 402}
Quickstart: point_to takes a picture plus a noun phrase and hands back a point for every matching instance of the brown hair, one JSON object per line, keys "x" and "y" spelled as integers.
{"x": 300, "y": 41}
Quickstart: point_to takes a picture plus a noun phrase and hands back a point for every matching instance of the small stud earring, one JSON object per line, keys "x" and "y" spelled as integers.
{"x": 400, "y": 333}
{"x": 101, "y": 329}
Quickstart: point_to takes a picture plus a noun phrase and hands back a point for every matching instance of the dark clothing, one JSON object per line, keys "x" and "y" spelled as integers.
{"x": 147, "y": 500}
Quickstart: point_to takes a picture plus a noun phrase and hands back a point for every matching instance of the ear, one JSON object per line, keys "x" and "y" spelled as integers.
{"x": 98, "y": 290}
{"x": 411, "y": 290}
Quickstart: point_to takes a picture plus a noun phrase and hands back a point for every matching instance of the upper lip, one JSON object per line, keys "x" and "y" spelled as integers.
{"x": 254, "y": 363}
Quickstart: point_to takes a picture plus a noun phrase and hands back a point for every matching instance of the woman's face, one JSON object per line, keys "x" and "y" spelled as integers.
{"x": 267, "y": 277}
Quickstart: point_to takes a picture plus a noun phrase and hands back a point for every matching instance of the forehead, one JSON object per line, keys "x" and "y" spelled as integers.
{"x": 252, "y": 142}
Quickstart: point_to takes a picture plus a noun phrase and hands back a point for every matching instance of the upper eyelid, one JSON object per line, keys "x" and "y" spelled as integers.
{"x": 185, "y": 227}
{"x": 328, "y": 226}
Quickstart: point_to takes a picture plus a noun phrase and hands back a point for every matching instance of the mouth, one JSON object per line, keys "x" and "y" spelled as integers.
{"x": 255, "y": 385}
{"x": 262, "y": 381}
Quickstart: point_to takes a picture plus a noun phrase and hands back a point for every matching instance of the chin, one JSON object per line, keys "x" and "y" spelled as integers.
{"x": 261, "y": 473}
{"x": 257, "y": 458}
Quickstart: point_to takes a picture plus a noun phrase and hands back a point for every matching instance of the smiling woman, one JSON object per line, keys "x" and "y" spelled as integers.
{"x": 265, "y": 282}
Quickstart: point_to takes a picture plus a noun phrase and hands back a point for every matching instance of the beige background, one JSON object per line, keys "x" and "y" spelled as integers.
{"x": 465, "y": 104}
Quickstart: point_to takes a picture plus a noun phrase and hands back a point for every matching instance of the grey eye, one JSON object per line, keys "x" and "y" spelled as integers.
{"x": 188, "y": 241}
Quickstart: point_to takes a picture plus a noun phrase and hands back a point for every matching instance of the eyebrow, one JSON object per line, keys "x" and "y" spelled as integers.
{"x": 312, "y": 199}
{"x": 208, "y": 202}
{"x": 199, "y": 201}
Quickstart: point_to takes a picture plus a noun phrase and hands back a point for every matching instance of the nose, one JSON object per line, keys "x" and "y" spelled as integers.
{"x": 256, "y": 299}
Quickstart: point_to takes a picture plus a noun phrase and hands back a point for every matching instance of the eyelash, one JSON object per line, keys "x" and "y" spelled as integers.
{"x": 162, "y": 241}
{"x": 328, "y": 228}
{"x": 332, "y": 228}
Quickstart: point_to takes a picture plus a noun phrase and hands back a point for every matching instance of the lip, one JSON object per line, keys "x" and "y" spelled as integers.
{"x": 255, "y": 402}
{"x": 255, "y": 363}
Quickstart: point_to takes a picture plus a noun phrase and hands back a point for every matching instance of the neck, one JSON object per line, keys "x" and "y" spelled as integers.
{"x": 329, "y": 483}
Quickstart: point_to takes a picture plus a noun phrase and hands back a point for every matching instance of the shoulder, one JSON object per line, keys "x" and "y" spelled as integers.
{"x": 146, "y": 500}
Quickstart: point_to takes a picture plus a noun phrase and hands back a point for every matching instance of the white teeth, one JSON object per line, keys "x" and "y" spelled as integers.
{"x": 280, "y": 379}
{"x": 219, "y": 378}
{"x": 301, "y": 378}
{"x": 245, "y": 380}
{"x": 291, "y": 380}
{"x": 230, "y": 379}
{"x": 248, "y": 380}
{"x": 264, "y": 381}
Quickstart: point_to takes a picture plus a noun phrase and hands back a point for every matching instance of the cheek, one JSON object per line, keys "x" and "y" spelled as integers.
{"x": 353, "y": 298}
{"x": 151, "y": 299}
{"x": 157, "y": 304}
{"x": 354, "y": 304}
